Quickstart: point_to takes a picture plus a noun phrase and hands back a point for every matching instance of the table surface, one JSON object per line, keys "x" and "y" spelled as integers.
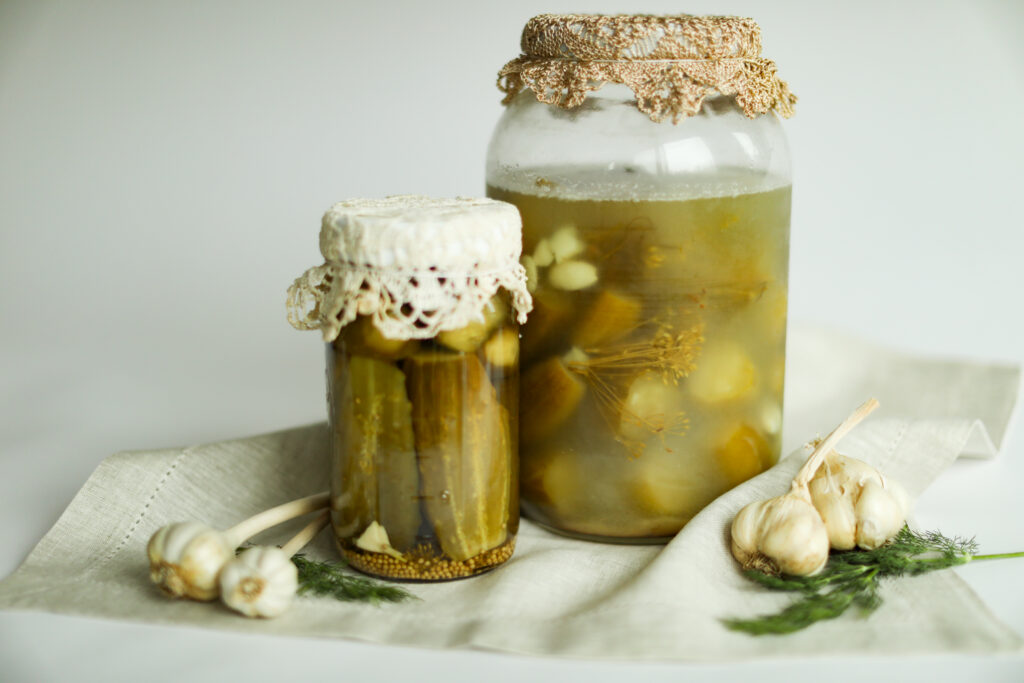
{"x": 163, "y": 167}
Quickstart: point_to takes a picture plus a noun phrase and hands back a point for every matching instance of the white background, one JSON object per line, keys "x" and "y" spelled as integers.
{"x": 163, "y": 168}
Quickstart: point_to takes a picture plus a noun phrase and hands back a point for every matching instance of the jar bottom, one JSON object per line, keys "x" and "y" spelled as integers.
{"x": 539, "y": 520}
{"x": 422, "y": 564}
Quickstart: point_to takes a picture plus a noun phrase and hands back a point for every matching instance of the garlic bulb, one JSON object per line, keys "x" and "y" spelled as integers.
{"x": 786, "y": 534}
{"x": 260, "y": 582}
{"x": 185, "y": 559}
{"x": 859, "y": 506}
{"x": 783, "y": 534}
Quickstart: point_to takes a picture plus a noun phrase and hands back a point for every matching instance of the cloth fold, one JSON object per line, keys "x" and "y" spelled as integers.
{"x": 559, "y": 596}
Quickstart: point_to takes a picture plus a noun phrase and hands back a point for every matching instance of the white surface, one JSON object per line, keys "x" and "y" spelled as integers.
{"x": 163, "y": 169}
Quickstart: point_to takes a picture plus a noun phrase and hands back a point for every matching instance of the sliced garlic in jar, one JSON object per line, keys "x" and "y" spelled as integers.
{"x": 565, "y": 243}
{"x": 542, "y": 255}
{"x": 572, "y": 276}
{"x": 375, "y": 540}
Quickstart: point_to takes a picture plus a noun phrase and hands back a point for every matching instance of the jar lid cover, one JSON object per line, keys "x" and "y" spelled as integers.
{"x": 670, "y": 62}
{"x": 415, "y": 264}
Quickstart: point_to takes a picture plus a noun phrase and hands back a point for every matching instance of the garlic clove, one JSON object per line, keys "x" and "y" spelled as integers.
{"x": 860, "y": 507}
{"x": 260, "y": 582}
{"x": 571, "y": 276}
{"x": 796, "y": 538}
{"x": 565, "y": 243}
{"x": 185, "y": 559}
{"x": 836, "y": 512}
{"x": 542, "y": 255}
{"x": 375, "y": 540}
{"x": 879, "y": 516}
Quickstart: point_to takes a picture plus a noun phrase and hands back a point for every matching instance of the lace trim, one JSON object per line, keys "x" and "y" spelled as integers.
{"x": 411, "y": 304}
{"x": 664, "y": 88}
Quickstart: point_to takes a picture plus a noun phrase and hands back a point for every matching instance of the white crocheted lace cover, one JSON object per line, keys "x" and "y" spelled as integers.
{"x": 416, "y": 265}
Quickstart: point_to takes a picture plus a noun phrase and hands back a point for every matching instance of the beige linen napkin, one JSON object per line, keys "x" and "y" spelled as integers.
{"x": 556, "y": 595}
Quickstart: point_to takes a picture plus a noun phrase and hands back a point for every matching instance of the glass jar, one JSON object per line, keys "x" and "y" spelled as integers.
{"x": 657, "y": 252}
{"x": 422, "y": 390}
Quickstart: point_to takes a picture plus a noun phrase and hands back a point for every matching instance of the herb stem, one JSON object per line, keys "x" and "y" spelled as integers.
{"x": 997, "y": 556}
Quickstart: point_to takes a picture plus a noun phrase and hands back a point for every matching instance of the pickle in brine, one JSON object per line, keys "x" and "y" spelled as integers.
{"x": 552, "y": 313}
{"x": 362, "y": 337}
{"x": 552, "y": 394}
{"x": 470, "y": 337}
{"x": 463, "y": 448}
{"x": 378, "y": 479}
{"x": 610, "y": 317}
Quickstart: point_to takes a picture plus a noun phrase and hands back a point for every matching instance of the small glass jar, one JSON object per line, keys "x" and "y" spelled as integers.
{"x": 657, "y": 252}
{"x": 423, "y": 390}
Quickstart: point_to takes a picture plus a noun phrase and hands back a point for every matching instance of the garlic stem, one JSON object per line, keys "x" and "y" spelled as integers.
{"x": 248, "y": 528}
{"x": 806, "y": 473}
{"x": 307, "y": 534}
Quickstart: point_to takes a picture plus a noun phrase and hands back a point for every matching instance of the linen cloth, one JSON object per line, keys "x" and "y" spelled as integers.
{"x": 558, "y": 596}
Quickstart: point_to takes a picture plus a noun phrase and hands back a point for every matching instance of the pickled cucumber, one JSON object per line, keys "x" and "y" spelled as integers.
{"x": 552, "y": 394}
{"x": 610, "y": 317}
{"x": 473, "y": 335}
{"x": 552, "y": 313}
{"x": 463, "y": 448}
{"x": 362, "y": 337}
{"x": 377, "y": 473}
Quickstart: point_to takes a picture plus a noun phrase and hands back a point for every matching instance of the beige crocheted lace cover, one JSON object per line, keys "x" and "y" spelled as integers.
{"x": 416, "y": 265}
{"x": 671, "y": 63}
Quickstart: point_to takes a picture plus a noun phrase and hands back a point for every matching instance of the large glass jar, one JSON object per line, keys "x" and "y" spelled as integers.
{"x": 657, "y": 251}
{"x": 422, "y": 328}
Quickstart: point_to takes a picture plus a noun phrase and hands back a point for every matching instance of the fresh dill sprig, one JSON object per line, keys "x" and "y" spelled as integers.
{"x": 329, "y": 579}
{"x": 851, "y": 578}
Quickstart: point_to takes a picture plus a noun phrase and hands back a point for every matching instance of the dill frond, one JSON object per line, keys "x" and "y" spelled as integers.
{"x": 852, "y": 577}
{"x": 331, "y": 580}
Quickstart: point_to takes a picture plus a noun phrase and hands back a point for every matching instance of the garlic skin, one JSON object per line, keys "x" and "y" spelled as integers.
{"x": 260, "y": 582}
{"x": 783, "y": 534}
{"x": 860, "y": 507}
{"x": 186, "y": 558}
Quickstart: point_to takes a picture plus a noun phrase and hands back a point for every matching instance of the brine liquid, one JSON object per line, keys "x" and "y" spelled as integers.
{"x": 652, "y": 365}
{"x": 423, "y": 446}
